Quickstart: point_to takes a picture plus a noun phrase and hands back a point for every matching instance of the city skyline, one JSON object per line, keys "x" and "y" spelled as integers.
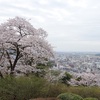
{"x": 72, "y": 25}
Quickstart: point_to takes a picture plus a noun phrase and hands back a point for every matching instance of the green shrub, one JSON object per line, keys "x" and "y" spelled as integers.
{"x": 53, "y": 90}
{"x": 27, "y": 87}
{"x": 79, "y": 78}
{"x": 85, "y": 92}
{"x": 69, "y": 96}
{"x": 90, "y": 98}
{"x": 21, "y": 88}
{"x": 67, "y": 77}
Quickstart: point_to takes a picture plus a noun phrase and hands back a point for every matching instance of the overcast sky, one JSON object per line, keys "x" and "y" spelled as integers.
{"x": 72, "y": 25}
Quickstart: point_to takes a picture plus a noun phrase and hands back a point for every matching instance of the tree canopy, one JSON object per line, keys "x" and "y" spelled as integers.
{"x": 22, "y": 44}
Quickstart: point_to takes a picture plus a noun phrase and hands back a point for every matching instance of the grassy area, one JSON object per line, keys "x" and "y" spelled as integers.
{"x": 25, "y": 88}
{"x": 86, "y": 91}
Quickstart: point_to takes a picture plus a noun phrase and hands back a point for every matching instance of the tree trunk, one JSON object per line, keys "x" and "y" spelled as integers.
{"x": 12, "y": 71}
{"x": 1, "y": 75}
{"x": 15, "y": 62}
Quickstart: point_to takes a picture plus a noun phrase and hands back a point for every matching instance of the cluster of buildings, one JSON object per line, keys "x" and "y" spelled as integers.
{"x": 84, "y": 65}
{"x": 78, "y": 62}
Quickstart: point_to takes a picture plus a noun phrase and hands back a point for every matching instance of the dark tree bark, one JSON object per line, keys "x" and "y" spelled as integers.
{"x": 17, "y": 57}
{"x": 1, "y": 75}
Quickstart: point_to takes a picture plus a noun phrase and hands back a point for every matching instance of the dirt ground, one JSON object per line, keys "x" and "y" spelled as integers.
{"x": 45, "y": 99}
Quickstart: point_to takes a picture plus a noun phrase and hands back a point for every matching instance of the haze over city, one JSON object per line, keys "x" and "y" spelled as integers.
{"x": 72, "y": 25}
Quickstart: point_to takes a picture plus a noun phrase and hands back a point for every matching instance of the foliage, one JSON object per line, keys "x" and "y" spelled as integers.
{"x": 53, "y": 90}
{"x": 22, "y": 88}
{"x": 69, "y": 96}
{"x": 55, "y": 72}
{"x": 51, "y": 63}
{"x": 42, "y": 70}
{"x": 90, "y": 98}
{"x": 25, "y": 88}
{"x": 85, "y": 91}
{"x": 79, "y": 78}
{"x": 22, "y": 44}
{"x": 40, "y": 73}
{"x": 66, "y": 78}
{"x": 41, "y": 66}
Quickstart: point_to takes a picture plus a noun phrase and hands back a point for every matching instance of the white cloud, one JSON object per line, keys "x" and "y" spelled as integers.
{"x": 56, "y": 13}
{"x": 72, "y": 25}
{"x": 78, "y": 3}
{"x": 43, "y": 2}
{"x": 77, "y": 46}
{"x": 39, "y": 19}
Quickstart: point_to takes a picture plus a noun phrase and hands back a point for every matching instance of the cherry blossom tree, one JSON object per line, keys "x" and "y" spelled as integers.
{"x": 87, "y": 79}
{"x": 21, "y": 43}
